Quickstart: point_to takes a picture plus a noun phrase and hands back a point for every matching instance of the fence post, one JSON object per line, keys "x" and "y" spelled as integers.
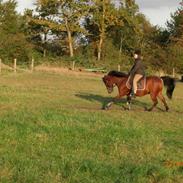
{"x": 73, "y": 65}
{"x": 32, "y": 65}
{"x": 173, "y": 73}
{"x": 0, "y": 65}
{"x": 15, "y": 65}
{"x": 119, "y": 67}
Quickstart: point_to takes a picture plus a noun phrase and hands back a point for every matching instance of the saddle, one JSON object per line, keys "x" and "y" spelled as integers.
{"x": 141, "y": 84}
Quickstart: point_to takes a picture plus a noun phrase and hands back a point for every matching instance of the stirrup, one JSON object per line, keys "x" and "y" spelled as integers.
{"x": 132, "y": 95}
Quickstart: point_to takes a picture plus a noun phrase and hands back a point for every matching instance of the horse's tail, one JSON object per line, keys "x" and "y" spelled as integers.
{"x": 170, "y": 84}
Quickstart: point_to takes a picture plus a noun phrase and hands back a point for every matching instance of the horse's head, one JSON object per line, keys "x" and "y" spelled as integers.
{"x": 113, "y": 78}
{"x": 109, "y": 83}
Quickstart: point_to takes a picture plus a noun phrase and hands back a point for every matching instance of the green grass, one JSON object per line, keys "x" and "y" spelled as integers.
{"x": 52, "y": 129}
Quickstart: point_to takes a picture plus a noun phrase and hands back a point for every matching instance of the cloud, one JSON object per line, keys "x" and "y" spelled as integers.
{"x": 158, "y": 16}
{"x": 158, "y": 11}
{"x": 157, "y": 4}
{"x": 22, "y": 4}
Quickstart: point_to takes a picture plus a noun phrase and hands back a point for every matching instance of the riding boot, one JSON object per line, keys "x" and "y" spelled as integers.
{"x": 132, "y": 94}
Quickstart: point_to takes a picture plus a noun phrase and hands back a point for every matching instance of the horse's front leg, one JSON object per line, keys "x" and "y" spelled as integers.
{"x": 109, "y": 104}
{"x": 106, "y": 107}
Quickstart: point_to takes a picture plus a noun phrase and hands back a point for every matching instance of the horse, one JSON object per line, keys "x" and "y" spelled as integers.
{"x": 153, "y": 86}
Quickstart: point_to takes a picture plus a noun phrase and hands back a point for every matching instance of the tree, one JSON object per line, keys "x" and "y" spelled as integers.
{"x": 63, "y": 17}
{"x": 175, "y": 25}
{"x": 103, "y": 15}
{"x": 8, "y": 17}
{"x": 129, "y": 35}
{"x": 13, "y": 43}
{"x": 175, "y": 46}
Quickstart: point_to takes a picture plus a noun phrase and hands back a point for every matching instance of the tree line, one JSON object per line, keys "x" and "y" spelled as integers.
{"x": 90, "y": 32}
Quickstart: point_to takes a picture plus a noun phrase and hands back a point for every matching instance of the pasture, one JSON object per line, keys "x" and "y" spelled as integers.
{"x": 52, "y": 129}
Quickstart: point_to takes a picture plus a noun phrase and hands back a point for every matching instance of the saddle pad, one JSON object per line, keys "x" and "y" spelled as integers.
{"x": 140, "y": 85}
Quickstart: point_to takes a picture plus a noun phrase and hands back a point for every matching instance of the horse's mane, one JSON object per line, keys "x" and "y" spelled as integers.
{"x": 117, "y": 74}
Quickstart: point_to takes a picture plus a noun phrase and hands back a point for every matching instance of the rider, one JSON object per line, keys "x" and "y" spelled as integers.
{"x": 136, "y": 72}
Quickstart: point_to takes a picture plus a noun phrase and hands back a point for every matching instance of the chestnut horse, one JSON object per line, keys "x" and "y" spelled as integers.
{"x": 153, "y": 86}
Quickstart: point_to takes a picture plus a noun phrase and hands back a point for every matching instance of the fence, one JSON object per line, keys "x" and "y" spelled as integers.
{"x": 15, "y": 68}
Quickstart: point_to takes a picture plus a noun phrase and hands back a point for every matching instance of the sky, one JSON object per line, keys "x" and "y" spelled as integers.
{"x": 156, "y": 11}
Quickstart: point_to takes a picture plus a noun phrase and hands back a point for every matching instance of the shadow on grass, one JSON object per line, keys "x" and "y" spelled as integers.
{"x": 104, "y": 100}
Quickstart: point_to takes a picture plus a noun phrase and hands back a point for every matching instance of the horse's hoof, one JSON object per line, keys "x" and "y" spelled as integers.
{"x": 167, "y": 109}
{"x": 126, "y": 108}
{"x": 148, "y": 110}
{"x": 145, "y": 109}
{"x": 105, "y": 108}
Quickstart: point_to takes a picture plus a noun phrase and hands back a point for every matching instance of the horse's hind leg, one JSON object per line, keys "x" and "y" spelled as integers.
{"x": 161, "y": 97}
{"x": 155, "y": 102}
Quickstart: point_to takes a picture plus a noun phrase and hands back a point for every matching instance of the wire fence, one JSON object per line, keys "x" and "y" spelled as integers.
{"x": 15, "y": 67}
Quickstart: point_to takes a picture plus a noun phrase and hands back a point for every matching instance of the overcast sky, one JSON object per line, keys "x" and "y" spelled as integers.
{"x": 157, "y": 11}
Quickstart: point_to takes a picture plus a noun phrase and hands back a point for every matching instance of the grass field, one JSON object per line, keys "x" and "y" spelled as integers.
{"x": 52, "y": 129}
